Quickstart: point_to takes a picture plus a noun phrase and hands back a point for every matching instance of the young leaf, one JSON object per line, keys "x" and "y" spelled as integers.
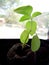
{"x": 28, "y": 25}
{"x": 31, "y": 26}
{"x": 35, "y": 43}
{"x": 24, "y": 37}
{"x": 25, "y": 10}
{"x": 36, "y": 14}
{"x": 25, "y": 17}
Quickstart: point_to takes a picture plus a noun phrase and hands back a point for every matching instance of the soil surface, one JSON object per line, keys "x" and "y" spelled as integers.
{"x": 11, "y": 54}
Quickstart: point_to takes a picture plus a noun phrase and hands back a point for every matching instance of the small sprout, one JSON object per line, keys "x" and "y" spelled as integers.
{"x": 30, "y": 27}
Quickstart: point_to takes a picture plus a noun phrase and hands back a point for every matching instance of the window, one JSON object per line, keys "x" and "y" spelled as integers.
{"x": 12, "y": 19}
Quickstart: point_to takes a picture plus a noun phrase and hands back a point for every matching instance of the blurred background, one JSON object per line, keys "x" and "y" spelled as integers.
{"x": 10, "y": 27}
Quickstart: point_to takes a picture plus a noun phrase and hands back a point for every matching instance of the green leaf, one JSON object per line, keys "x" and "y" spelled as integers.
{"x": 31, "y": 26}
{"x": 28, "y": 25}
{"x": 36, "y": 14}
{"x": 25, "y": 17}
{"x": 24, "y": 37}
{"x": 35, "y": 43}
{"x": 25, "y": 10}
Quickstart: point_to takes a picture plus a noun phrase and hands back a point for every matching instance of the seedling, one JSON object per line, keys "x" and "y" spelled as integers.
{"x": 30, "y": 27}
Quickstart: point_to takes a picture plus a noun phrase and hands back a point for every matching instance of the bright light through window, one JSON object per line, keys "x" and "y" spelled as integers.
{"x": 38, "y": 5}
{"x": 12, "y": 19}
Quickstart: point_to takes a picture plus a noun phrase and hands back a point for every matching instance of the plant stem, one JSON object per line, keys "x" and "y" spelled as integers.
{"x": 23, "y": 45}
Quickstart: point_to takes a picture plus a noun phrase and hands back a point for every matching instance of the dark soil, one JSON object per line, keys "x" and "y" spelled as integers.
{"x": 19, "y": 56}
